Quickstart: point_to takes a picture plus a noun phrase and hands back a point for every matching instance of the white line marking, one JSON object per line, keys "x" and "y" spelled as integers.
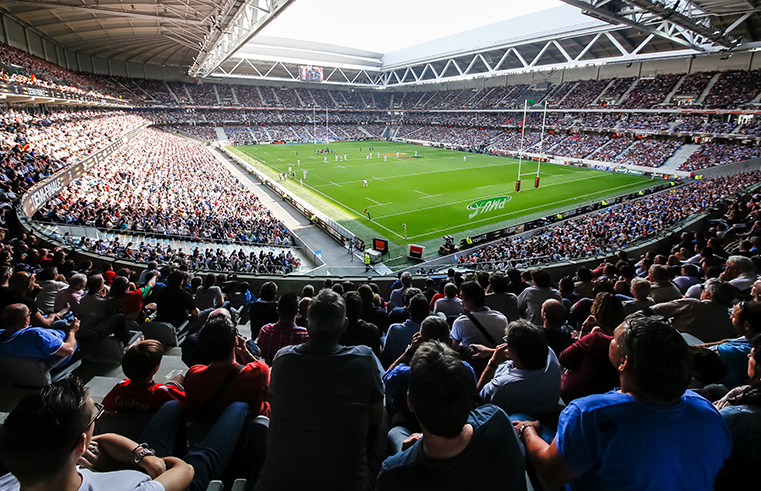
{"x": 430, "y": 196}
{"x": 342, "y": 167}
{"x": 424, "y": 194}
{"x": 484, "y": 187}
{"x": 331, "y": 182}
{"x": 378, "y": 178}
{"x": 373, "y": 201}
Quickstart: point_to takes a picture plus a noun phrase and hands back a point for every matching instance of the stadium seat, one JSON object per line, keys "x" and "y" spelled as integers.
{"x": 164, "y": 332}
{"x": 33, "y": 372}
{"x": 111, "y": 350}
{"x": 129, "y": 425}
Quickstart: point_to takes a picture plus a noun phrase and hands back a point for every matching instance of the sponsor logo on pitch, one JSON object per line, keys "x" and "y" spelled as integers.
{"x": 487, "y": 205}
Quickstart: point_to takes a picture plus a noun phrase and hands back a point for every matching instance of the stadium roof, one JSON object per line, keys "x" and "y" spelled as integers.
{"x": 206, "y": 35}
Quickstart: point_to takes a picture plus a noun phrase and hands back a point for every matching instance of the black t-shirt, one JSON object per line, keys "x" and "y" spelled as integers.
{"x": 7, "y": 298}
{"x": 173, "y": 306}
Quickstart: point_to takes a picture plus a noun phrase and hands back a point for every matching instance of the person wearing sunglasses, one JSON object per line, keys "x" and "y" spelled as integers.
{"x": 47, "y": 444}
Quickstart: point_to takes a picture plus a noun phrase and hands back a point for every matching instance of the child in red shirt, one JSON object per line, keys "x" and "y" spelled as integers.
{"x": 138, "y": 393}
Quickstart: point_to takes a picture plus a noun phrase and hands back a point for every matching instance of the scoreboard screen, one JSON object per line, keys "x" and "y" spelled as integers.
{"x": 309, "y": 73}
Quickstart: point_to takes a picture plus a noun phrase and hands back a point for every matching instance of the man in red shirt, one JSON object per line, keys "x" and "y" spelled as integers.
{"x": 234, "y": 374}
{"x": 284, "y": 332}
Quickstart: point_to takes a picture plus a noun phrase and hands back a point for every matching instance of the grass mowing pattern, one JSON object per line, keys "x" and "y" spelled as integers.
{"x": 431, "y": 192}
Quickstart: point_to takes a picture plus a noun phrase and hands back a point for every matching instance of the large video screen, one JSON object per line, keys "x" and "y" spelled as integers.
{"x": 310, "y": 73}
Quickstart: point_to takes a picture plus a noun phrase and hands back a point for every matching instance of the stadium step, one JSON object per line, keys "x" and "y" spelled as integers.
{"x": 680, "y": 156}
{"x": 673, "y": 91}
{"x": 708, "y": 88}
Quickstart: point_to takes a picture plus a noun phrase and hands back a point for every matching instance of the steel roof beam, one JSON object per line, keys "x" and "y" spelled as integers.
{"x": 227, "y": 37}
{"x": 99, "y": 9}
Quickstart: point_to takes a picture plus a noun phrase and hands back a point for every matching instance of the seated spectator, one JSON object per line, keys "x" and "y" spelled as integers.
{"x": 397, "y": 377}
{"x": 138, "y": 393}
{"x": 62, "y": 340}
{"x": 48, "y": 443}
{"x": 740, "y": 272}
{"x": 327, "y": 402}
{"x": 640, "y": 290}
{"x": 450, "y": 305}
{"x": 741, "y": 410}
{"x": 588, "y": 370}
{"x": 523, "y": 375}
{"x": 531, "y": 299}
{"x": 480, "y": 324}
{"x": 371, "y": 312}
{"x": 234, "y": 374}
{"x": 284, "y": 332}
{"x": 125, "y": 298}
{"x": 662, "y": 289}
{"x": 707, "y": 319}
{"x": 499, "y": 299}
{"x": 209, "y": 296}
{"x": 558, "y": 333}
{"x": 400, "y": 335}
{"x": 584, "y": 283}
{"x": 458, "y": 444}
{"x": 746, "y": 317}
{"x": 175, "y": 303}
{"x": 359, "y": 332}
{"x": 94, "y": 302}
{"x": 51, "y": 283}
{"x": 627, "y": 439}
{"x": 20, "y": 290}
{"x": 395, "y": 300}
{"x": 688, "y": 278}
{"x": 264, "y": 310}
{"x": 71, "y": 296}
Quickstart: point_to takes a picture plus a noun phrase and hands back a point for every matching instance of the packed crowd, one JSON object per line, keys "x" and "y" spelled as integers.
{"x": 35, "y": 146}
{"x": 713, "y": 154}
{"x": 616, "y": 227}
{"x": 648, "y": 153}
{"x": 163, "y": 184}
{"x": 478, "y": 378}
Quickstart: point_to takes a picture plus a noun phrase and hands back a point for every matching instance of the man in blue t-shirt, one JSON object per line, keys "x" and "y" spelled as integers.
{"x": 648, "y": 435}
{"x": 20, "y": 340}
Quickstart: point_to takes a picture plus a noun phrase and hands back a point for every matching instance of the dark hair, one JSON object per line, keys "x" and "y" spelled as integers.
{"x": 175, "y": 279}
{"x": 528, "y": 343}
{"x": 268, "y": 291}
{"x": 288, "y": 305}
{"x": 474, "y": 293}
{"x": 419, "y": 307}
{"x": 442, "y": 389}
{"x": 217, "y": 337}
{"x": 307, "y": 291}
{"x": 498, "y": 282}
{"x": 750, "y": 312}
{"x": 338, "y": 288}
{"x": 584, "y": 274}
{"x": 657, "y": 357}
{"x": 119, "y": 286}
{"x": 353, "y": 305}
{"x": 40, "y": 433}
{"x": 434, "y": 328}
{"x": 541, "y": 278}
{"x": 209, "y": 280}
{"x": 141, "y": 360}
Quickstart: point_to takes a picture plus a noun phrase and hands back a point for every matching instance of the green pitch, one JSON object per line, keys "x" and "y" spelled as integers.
{"x": 435, "y": 192}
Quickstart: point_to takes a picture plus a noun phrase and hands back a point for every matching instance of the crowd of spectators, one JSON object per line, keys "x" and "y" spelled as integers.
{"x": 583, "y": 94}
{"x": 605, "y": 231}
{"x": 163, "y": 184}
{"x": 713, "y": 154}
{"x": 648, "y": 152}
{"x": 650, "y": 92}
{"x": 734, "y": 88}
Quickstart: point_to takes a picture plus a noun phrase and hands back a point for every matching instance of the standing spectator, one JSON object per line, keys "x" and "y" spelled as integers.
{"x": 284, "y": 332}
{"x": 450, "y": 305}
{"x": 264, "y": 310}
{"x": 531, "y": 299}
{"x": 499, "y": 299}
{"x": 326, "y": 400}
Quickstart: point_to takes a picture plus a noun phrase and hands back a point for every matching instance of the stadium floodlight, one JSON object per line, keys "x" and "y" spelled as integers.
{"x": 238, "y": 22}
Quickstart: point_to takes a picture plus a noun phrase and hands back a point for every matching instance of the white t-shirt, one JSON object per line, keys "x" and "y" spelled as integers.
{"x": 100, "y": 481}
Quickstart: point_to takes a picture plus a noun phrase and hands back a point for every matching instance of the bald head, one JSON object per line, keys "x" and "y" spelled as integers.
{"x": 554, "y": 314}
{"x": 14, "y": 317}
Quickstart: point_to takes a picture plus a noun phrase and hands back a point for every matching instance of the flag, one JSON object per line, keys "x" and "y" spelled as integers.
{"x": 530, "y": 102}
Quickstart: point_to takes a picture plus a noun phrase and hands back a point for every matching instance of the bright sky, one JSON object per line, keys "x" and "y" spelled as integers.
{"x": 388, "y": 25}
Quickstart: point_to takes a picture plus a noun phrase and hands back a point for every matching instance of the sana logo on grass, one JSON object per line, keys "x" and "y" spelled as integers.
{"x": 487, "y": 205}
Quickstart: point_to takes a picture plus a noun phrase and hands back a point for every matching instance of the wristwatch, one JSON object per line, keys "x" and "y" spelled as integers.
{"x": 522, "y": 428}
{"x": 141, "y": 451}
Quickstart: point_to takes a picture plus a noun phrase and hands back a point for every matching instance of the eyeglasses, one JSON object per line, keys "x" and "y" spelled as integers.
{"x": 100, "y": 410}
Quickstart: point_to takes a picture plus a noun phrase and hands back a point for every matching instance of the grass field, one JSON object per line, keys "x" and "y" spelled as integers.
{"x": 433, "y": 191}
